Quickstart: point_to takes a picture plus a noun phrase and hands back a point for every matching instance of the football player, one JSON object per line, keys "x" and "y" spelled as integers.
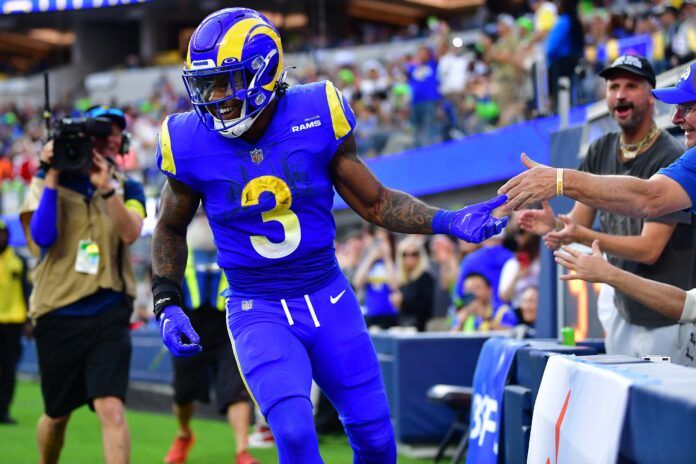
{"x": 264, "y": 159}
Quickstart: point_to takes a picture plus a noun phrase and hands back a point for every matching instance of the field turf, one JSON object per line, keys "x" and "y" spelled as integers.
{"x": 151, "y": 435}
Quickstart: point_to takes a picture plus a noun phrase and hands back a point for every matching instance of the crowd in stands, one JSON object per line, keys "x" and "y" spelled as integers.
{"x": 448, "y": 89}
{"x": 445, "y": 90}
{"x": 434, "y": 283}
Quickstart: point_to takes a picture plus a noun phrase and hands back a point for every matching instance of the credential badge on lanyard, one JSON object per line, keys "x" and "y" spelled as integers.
{"x": 87, "y": 261}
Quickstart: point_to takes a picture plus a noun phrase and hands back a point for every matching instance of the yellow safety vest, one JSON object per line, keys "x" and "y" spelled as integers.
{"x": 192, "y": 284}
{"x": 13, "y": 308}
{"x": 658, "y": 40}
{"x": 691, "y": 39}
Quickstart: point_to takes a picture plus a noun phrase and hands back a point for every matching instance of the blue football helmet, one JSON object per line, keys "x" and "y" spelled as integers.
{"x": 234, "y": 64}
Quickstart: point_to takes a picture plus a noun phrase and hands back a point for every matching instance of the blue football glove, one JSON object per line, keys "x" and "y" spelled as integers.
{"x": 472, "y": 224}
{"x": 178, "y": 334}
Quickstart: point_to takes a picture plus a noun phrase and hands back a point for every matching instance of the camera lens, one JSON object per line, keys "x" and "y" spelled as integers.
{"x": 70, "y": 153}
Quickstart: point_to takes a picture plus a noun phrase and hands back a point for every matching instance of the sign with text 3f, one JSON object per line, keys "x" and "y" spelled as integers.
{"x": 490, "y": 378}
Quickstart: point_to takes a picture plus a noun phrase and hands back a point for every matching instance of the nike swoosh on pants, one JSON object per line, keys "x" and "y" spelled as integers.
{"x": 334, "y": 299}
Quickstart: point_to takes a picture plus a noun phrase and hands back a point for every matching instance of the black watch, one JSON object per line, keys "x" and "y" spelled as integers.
{"x": 108, "y": 194}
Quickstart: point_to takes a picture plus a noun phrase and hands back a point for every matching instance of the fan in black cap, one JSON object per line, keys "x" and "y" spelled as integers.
{"x": 634, "y": 64}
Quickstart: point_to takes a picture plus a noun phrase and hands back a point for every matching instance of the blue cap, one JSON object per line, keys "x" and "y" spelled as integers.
{"x": 109, "y": 112}
{"x": 684, "y": 91}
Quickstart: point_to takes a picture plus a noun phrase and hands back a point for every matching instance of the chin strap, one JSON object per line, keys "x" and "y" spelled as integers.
{"x": 236, "y": 130}
{"x": 240, "y": 128}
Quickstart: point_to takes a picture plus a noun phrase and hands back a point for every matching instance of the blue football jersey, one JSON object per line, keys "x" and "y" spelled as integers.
{"x": 268, "y": 203}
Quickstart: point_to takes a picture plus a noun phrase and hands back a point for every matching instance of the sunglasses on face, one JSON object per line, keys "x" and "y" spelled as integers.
{"x": 412, "y": 254}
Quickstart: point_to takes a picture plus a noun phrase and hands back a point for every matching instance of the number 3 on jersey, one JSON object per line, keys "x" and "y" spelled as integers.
{"x": 281, "y": 213}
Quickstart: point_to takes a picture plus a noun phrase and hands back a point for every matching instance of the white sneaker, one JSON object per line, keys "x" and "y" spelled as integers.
{"x": 262, "y": 437}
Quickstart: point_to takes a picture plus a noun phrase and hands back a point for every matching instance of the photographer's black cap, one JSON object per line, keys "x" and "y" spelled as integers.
{"x": 105, "y": 111}
{"x": 635, "y": 64}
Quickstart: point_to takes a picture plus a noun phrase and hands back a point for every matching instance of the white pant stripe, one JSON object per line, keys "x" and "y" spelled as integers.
{"x": 311, "y": 311}
{"x": 287, "y": 312}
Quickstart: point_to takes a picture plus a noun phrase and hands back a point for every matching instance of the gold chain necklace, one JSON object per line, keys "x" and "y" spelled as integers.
{"x": 631, "y": 150}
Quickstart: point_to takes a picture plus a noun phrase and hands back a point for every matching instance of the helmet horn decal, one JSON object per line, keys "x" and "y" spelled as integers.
{"x": 232, "y": 44}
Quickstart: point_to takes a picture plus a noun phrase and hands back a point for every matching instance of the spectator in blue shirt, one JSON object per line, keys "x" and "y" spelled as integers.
{"x": 564, "y": 45}
{"x": 376, "y": 275}
{"x": 488, "y": 261}
{"x": 422, "y": 78}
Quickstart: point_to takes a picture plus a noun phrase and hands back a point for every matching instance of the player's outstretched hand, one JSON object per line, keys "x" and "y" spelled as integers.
{"x": 177, "y": 333}
{"x": 472, "y": 224}
{"x": 536, "y": 184}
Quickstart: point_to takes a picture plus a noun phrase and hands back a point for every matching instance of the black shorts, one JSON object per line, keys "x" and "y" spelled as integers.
{"x": 83, "y": 358}
{"x": 215, "y": 365}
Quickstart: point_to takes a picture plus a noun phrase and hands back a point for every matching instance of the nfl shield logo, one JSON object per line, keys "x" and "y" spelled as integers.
{"x": 256, "y": 155}
{"x": 247, "y": 305}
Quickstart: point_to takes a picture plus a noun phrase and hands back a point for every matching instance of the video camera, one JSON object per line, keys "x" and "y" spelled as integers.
{"x": 72, "y": 141}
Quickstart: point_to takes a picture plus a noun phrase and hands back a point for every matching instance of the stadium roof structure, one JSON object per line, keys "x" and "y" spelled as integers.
{"x": 45, "y": 34}
{"x": 44, "y": 6}
{"x": 385, "y": 11}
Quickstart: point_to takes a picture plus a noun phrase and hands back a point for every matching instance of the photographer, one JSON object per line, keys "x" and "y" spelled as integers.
{"x": 83, "y": 219}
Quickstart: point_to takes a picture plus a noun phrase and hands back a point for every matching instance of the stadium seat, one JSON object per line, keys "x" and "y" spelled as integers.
{"x": 458, "y": 398}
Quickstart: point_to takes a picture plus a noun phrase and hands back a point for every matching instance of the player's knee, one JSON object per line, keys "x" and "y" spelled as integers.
{"x": 110, "y": 411}
{"x": 54, "y": 424}
{"x": 295, "y": 436}
{"x": 373, "y": 442}
{"x": 292, "y": 424}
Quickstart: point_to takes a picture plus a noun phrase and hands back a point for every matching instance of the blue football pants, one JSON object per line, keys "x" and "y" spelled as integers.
{"x": 282, "y": 344}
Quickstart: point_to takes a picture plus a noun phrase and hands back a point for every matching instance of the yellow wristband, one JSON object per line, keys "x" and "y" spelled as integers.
{"x": 559, "y": 182}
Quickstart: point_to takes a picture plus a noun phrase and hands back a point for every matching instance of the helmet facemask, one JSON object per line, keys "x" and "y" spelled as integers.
{"x": 229, "y": 98}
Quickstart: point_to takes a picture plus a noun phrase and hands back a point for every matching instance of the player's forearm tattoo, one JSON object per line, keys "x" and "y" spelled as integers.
{"x": 392, "y": 209}
{"x": 400, "y": 212}
{"x": 169, "y": 250}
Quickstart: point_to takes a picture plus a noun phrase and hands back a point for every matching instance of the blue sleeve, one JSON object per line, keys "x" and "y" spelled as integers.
{"x": 341, "y": 114}
{"x": 408, "y": 69}
{"x": 683, "y": 171}
{"x": 508, "y": 318}
{"x": 557, "y": 35}
{"x": 43, "y": 225}
{"x": 348, "y": 111}
{"x": 134, "y": 196}
{"x": 165, "y": 154}
{"x": 457, "y": 292}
